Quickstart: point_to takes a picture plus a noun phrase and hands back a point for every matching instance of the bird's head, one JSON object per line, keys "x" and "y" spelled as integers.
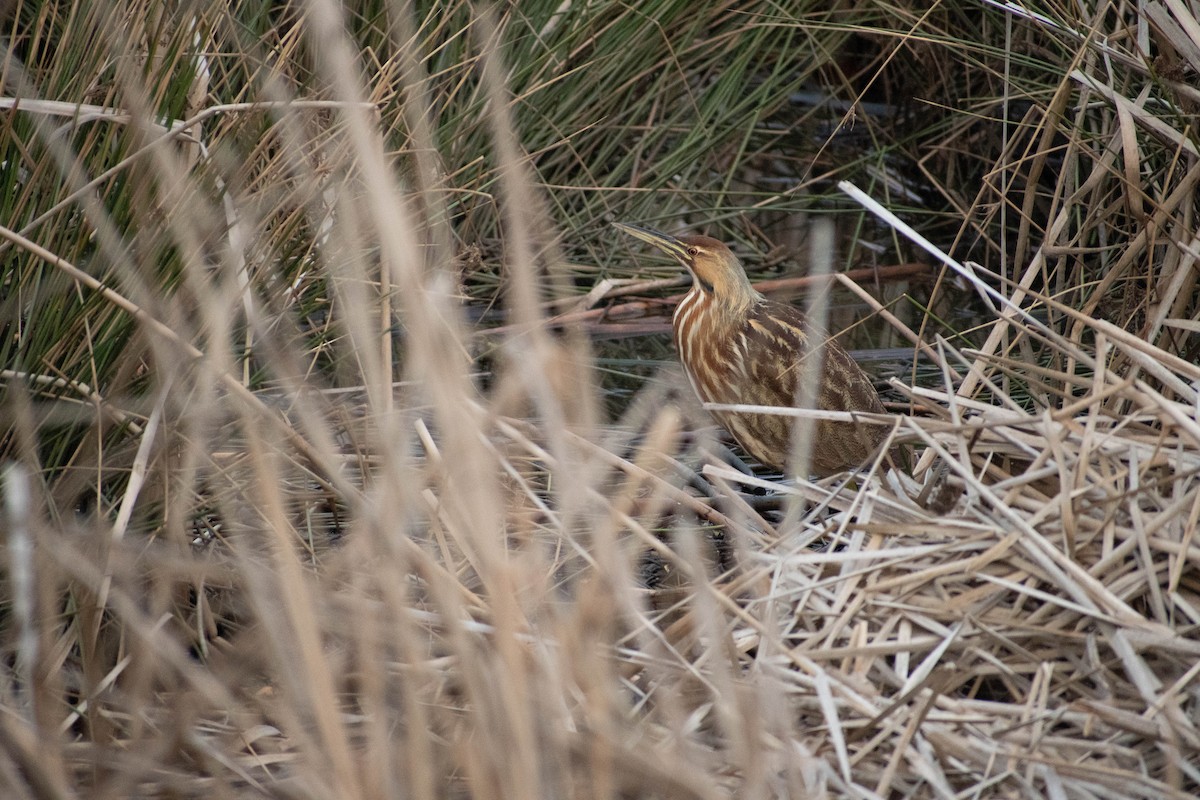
{"x": 713, "y": 266}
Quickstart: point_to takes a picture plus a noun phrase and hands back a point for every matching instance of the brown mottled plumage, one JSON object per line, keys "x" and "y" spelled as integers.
{"x": 739, "y": 347}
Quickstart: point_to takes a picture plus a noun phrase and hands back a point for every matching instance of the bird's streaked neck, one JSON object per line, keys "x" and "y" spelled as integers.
{"x": 727, "y": 289}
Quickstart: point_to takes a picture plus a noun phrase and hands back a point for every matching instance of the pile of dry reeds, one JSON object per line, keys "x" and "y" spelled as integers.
{"x": 280, "y": 521}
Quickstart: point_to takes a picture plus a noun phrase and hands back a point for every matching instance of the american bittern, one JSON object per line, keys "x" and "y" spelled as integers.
{"x": 738, "y": 347}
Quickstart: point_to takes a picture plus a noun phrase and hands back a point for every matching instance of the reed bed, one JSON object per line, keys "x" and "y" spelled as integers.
{"x": 339, "y": 460}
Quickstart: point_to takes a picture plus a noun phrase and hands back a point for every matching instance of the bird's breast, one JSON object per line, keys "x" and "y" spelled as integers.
{"x": 712, "y": 347}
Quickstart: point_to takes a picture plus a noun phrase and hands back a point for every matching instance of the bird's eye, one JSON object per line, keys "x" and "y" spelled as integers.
{"x": 691, "y": 251}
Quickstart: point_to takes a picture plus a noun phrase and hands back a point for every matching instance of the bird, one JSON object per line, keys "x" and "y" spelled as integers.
{"x": 738, "y": 347}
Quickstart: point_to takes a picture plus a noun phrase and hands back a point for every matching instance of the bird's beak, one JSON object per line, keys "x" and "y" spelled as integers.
{"x": 665, "y": 242}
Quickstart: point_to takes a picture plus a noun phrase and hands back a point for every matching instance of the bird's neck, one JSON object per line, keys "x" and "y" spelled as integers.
{"x": 727, "y": 309}
{"x": 736, "y": 297}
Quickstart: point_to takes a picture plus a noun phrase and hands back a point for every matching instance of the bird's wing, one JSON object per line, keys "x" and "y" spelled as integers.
{"x": 782, "y": 344}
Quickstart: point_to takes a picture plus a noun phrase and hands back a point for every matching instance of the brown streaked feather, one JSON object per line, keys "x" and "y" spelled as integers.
{"x": 759, "y": 360}
{"x": 737, "y": 347}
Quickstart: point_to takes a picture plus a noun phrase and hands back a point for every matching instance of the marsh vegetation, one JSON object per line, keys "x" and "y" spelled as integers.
{"x": 344, "y": 454}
